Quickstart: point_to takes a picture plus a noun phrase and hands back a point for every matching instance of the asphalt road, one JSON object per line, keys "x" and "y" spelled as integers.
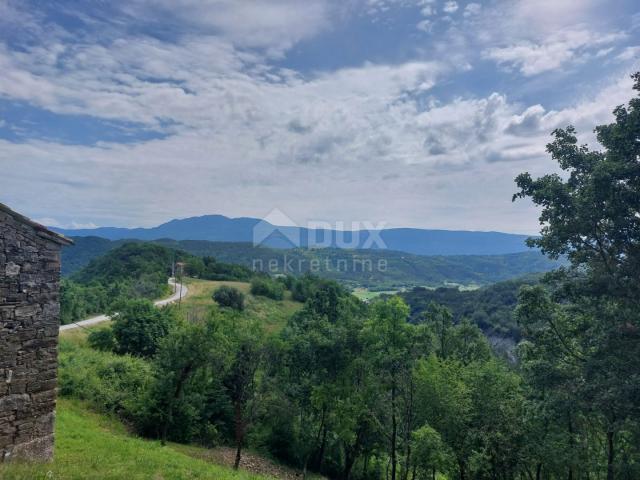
{"x": 181, "y": 292}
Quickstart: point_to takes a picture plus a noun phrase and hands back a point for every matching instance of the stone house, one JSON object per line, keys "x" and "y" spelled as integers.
{"x": 29, "y": 322}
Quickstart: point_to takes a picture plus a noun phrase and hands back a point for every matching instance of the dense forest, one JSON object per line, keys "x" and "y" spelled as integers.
{"x": 492, "y": 308}
{"x": 357, "y": 391}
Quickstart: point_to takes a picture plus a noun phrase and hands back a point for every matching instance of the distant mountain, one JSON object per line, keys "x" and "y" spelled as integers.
{"x": 218, "y": 228}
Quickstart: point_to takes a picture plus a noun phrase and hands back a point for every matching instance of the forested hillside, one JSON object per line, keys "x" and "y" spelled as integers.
{"x": 132, "y": 270}
{"x": 492, "y": 308}
{"x": 377, "y": 269}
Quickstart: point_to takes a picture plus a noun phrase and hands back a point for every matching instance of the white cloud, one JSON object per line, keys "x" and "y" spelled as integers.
{"x": 274, "y": 25}
{"x": 629, "y": 53}
{"x": 428, "y": 10}
{"x": 472, "y": 9}
{"x": 450, "y": 7}
{"x": 52, "y": 222}
{"x": 425, "y": 25}
{"x": 245, "y": 135}
{"x": 336, "y": 146}
{"x": 532, "y": 58}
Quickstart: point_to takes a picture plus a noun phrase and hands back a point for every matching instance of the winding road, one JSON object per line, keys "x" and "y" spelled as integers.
{"x": 180, "y": 292}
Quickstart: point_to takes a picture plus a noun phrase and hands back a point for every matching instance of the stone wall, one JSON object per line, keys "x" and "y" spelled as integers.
{"x": 29, "y": 319}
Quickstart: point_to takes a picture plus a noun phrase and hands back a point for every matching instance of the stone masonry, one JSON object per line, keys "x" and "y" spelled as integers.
{"x": 29, "y": 320}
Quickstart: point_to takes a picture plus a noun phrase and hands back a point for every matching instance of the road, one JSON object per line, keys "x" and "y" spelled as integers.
{"x": 181, "y": 292}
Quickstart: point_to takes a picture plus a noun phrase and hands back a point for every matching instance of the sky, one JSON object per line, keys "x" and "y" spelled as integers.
{"x": 416, "y": 113}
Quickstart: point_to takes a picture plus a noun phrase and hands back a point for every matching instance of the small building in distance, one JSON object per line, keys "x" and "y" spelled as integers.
{"x": 29, "y": 322}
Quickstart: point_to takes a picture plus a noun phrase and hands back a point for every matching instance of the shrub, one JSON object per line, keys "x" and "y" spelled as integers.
{"x": 109, "y": 382}
{"x": 139, "y": 326}
{"x": 227, "y": 296}
{"x": 102, "y": 339}
{"x": 266, "y": 287}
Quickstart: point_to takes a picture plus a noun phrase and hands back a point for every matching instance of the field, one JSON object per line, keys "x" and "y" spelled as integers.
{"x": 272, "y": 314}
{"x": 89, "y": 445}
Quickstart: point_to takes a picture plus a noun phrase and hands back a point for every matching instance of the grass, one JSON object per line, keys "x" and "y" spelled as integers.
{"x": 273, "y": 314}
{"x": 367, "y": 295}
{"x": 89, "y": 445}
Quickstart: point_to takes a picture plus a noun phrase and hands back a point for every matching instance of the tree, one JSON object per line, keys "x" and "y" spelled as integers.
{"x": 139, "y": 326}
{"x": 324, "y": 377}
{"x": 446, "y": 403}
{"x": 431, "y": 452}
{"x": 591, "y": 216}
{"x": 187, "y": 350}
{"x": 391, "y": 342}
{"x": 102, "y": 339}
{"x": 245, "y": 353}
{"x": 266, "y": 287}
{"x": 440, "y": 323}
{"x": 231, "y": 297}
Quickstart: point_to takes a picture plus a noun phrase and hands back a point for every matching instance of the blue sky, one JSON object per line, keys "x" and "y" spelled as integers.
{"x": 407, "y": 112}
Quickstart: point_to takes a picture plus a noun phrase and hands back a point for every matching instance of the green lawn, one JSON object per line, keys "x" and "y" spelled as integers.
{"x": 89, "y": 445}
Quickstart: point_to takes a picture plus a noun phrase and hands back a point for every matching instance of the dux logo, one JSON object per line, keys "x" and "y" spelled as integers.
{"x": 276, "y": 229}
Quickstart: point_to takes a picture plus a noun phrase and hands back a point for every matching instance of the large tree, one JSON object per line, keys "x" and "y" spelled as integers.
{"x": 591, "y": 215}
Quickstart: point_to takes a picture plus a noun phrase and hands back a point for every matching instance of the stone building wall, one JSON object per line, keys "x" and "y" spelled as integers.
{"x": 29, "y": 320}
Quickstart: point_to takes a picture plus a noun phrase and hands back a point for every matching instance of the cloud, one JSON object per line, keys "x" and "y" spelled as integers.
{"x": 274, "y": 25}
{"x": 450, "y": 7}
{"x": 342, "y": 168}
{"x": 629, "y": 53}
{"x": 534, "y": 58}
{"x": 472, "y": 9}
{"x": 245, "y": 132}
{"x": 52, "y": 222}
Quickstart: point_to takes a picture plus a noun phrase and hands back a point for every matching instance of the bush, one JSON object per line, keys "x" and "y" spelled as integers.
{"x": 266, "y": 287}
{"x": 102, "y": 339}
{"x": 227, "y": 296}
{"x": 139, "y": 326}
{"x": 109, "y": 382}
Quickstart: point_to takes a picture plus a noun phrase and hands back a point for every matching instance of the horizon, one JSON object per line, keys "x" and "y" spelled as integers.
{"x": 304, "y": 226}
{"x": 416, "y": 113}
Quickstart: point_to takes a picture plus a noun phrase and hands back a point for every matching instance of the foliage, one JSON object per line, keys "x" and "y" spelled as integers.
{"x": 129, "y": 270}
{"x": 373, "y": 269}
{"x": 110, "y": 383}
{"x": 174, "y": 406}
{"x": 266, "y": 287}
{"x": 83, "y": 250}
{"x": 583, "y": 336}
{"x": 227, "y": 296}
{"x": 208, "y": 268}
{"x": 138, "y": 327}
{"x": 102, "y": 339}
{"x": 491, "y": 308}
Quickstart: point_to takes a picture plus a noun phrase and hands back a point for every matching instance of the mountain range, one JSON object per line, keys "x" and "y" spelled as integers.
{"x": 219, "y": 228}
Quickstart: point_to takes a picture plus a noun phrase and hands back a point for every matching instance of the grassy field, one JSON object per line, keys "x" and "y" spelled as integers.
{"x": 367, "y": 295}
{"x": 89, "y": 445}
{"x": 272, "y": 314}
